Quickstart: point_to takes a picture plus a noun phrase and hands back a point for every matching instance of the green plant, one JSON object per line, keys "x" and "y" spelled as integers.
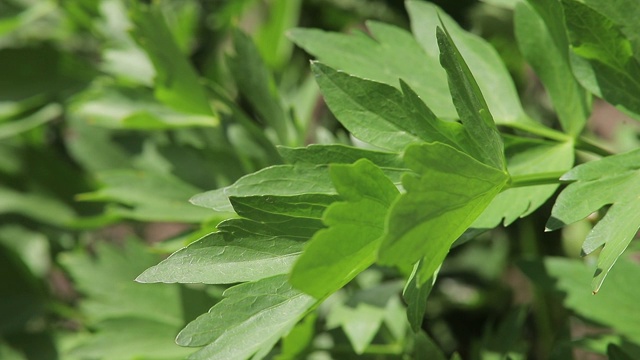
{"x": 392, "y": 235}
{"x": 425, "y": 182}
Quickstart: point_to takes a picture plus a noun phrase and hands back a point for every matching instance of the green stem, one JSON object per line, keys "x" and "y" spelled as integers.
{"x": 540, "y": 130}
{"x": 545, "y": 178}
{"x": 591, "y": 146}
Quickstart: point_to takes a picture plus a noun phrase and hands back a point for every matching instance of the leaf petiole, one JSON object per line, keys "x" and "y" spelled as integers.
{"x": 544, "y": 178}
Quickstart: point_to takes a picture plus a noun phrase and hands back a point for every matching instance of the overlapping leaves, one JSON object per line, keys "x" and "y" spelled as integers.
{"x": 606, "y": 56}
{"x": 615, "y": 181}
{"x": 454, "y": 168}
{"x": 310, "y": 226}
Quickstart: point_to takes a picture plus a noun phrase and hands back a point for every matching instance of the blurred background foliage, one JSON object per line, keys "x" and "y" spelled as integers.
{"x": 113, "y": 113}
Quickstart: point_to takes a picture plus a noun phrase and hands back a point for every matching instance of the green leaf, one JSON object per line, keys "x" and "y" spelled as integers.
{"x": 300, "y": 228}
{"x": 136, "y": 338}
{"x": 415, "y": 294}
{"x": 278, "y": 180}
{"x": 426, "y": 348}
{"x": 256, "y": 83}
{"x": 612, "y": 307}
{"x": 245, "y": 249}
{"x": 299, "y": 339}
{"x": 107, "y": 283}
{"x": 176, "y": 82}
{"x": 623, "y": 13}
{"x": 42, "y": 116}
{"x": 279, "y": 209}
{"x": 390, "y": 54}
{"x": 274, "y": 47}
{"x": 121, "y": 56}
{"x": 526, "y": 157}
{"x": 53, "y": 74}
{"x": 336, "y": 255}
{"x": 30, "y": 246}
{"x": 380, "y": 114}
{"x": 250, "y": 319}
{"x": 484, "y": 62}
{"x": 148, "y": 196}
{"x": 614, "y": 181}
{"x": 362, "y": 314}
{"x": 132, "y": 108}
{"x": 450, "y": 191}
{"x": 451, "y": 188}
{"x": 603, "y": 60}
{"x": 45, "y": 209}
{"x": 470, "y": 105}
{"x": 541, "y": 26}
{"x": 142, "y": 319}
{"x": 225, "y": 258}
{"x": 360, "y": 323}
{"x": 340, "y": 154}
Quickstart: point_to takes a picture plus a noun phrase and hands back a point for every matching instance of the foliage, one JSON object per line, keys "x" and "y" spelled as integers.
{"x": 367, "y": 233}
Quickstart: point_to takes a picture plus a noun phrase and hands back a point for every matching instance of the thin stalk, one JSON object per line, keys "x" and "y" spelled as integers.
{"x": 581, "y": 143}
{"x": 545, "y": 178}
{"x": 541, "y": 131}
{"x": 591, "y": 146}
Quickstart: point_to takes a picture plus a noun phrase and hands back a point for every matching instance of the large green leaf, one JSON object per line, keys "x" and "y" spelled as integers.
{"x": 485, "y": 63}
{"x": 222, "y": 258}
{"x": 615, "y": 181}
{"x": 541, "y": 26}
{"x": 250, "y": 319}
{"x": 176, "y": 81}
{"x": 380, "y": 114}
{"x": 355, "y": 227}
{"x": 390, "y": 54}
{"x": 615, "y": 306}
{"x": 450, "y": 188}
{"x": 605, "y": 59}
{"x": 450, "y": 191}
{"x": 278, "y": 180}
{"x": 246, "y": 250}
{"x": 471, "y": 105}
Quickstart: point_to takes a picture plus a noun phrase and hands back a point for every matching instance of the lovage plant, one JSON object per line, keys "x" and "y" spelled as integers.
{"x": 445, "y": 151}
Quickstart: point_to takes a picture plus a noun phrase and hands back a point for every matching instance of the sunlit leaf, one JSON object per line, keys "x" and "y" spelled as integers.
{"x": 250, "y": 319}
{"x": 614, "y": 181}
{"x": 349, "y": 245}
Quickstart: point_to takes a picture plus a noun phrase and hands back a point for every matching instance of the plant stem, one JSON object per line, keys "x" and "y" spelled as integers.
{"x": 545, "y": 178}
{"x": 589, "y": 145}
{"x": 540, "y": 130}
